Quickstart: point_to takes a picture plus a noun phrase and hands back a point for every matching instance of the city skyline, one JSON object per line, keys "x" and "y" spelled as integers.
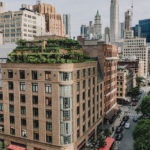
{"x": 72, "y": 7}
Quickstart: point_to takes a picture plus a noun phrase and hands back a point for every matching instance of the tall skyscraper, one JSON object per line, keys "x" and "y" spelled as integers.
{"x": 128, "y": 19}
{"x": 67, "y": 25}
{"x": 114, "y": 21}
{"x": 2, "y": 7}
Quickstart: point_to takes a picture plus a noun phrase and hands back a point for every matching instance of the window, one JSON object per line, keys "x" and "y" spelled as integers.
{"x": 48, "y": 139}
{"x": 1, "y": 96}
{"x": 10, "y": 85}
{"x": 89, "y": 93}
{"x": 11, "y": 108}
{"x": 22, "y": 74}
{"x": 48, "y": 114}
{"x": 66, "y": 115}
{"x": 35, "y": 124}
{"x": 89, "y": 103}
{"x": 93, "y": 119}
{"x": 48, "y": 88}
{"x": 89, "y": 123}
{"x": 65, "y": 76}
{"x": 83, "y": 84}
{"x": 34, "y": 87}
{"x": 89, "y": 71}
{"x": 78, "y": 74}
{"x": 78, "y": 98}
{"x": 48, "y": 101}
{"x": 12, "y": 131}
{"x": 66, "y": 102}
{"x": 94, "y": 70}
{"x": 83, "y": 128}
{"x": 22, "y": 98}
{"x": 78, "y": 86}
{"x": 83, "y": 117}
{"x": 89, "y": 113}
{"x": 34, "y": 75}
{"x": 35, "y": 112}
{"x": 23, "y": 122}
{"x": 83, "y": 106}
{"x": 93, "y": 80}
{"x": 11, "y": 97}
{"x": 10, "y": 74}
{"x": 84, "y": 73}
{"x": 78, "y": 110}
{"x": 48, "y": 126}
{"x": 78, "y": 122}
{"x": 89, "y": 82}
{"x": 12, "y": 119}
{"x": 22, "y": 86}
{"x": 23, "y": 110}
{"x": 36, "y": 136}
{"x": 67, "y": 139}
{"x": 1, "y": 118}
{"x": 35, "y": 99}
{"x": 83, "y": 95}
{"x": 78, "y": 133}
{"x": 47, "y": 75}
{"x": 1, "y": 107}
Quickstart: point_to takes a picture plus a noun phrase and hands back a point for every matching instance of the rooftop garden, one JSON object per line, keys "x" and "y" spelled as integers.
{"x": 48, "y": 51}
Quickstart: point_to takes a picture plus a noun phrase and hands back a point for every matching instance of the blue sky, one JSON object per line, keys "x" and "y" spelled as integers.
{"x": 82, "y": 11}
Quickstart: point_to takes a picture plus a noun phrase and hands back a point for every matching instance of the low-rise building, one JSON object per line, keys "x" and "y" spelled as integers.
{"x": 126, "y": 80}
{"x": 50, "y": 101}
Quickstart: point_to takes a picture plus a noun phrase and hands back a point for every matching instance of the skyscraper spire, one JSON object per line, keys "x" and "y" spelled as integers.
{"x": 114, "y": 21}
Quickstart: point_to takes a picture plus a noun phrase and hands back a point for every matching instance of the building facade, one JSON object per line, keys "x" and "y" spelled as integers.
{"x": 2, "y": 7}
{"x": 136, "y": 47}
{"x": 50, "y": 106}
{"x": 114, "y": 21}
{"x": 125, "y": 82}
{"x": 1, "y": 37}
{"x": 107, "y": 58}
{"x": 128, "y": 20}
{"x": 67, "y": 24}
{"x": 54, "y": 22}
{"x": 23, "y": 24}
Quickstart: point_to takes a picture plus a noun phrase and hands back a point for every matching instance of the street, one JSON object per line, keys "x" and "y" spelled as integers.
{"x": 127, "y": 142}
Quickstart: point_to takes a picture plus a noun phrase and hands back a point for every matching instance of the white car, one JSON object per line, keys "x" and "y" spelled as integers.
{"x": 127, "y": 125}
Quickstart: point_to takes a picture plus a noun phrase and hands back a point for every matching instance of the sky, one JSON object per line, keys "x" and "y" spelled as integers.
{"x": 83, "y": 11}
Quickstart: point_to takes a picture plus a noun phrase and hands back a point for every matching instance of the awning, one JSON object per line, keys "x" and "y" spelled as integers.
{"x": 109, "y": 142}
{"x": 15, "y": 147}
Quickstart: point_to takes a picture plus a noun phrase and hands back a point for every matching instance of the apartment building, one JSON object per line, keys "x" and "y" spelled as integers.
{"x": 126, "y": 80}
{"x": 136, "y": 47}
{"x": 49, "y": 106}
{"x": 22, "y": 24}
{"x": 54, "y": 22}
{"x": 1, "y": 37}
{"x": 106, "y": 55}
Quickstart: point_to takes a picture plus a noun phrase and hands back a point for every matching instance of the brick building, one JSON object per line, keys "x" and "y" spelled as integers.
{"x": 54, "y": 23}
{"x": 107, "y": 58}
{"x": 49, "y": 106}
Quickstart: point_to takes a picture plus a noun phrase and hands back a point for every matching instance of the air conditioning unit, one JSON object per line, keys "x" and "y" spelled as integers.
{"x": 24, "y": 133}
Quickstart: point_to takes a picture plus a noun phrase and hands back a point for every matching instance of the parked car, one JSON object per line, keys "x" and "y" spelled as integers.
{"x": 119, "y": 129}
{"x": 134, "y": 104}
{"x": 122, "y": 123}
{"x": 135, "y": 119}
{"x": 119, "y": 137}
{"x": 125, "y": 118}
{"x": 127, "y": 125}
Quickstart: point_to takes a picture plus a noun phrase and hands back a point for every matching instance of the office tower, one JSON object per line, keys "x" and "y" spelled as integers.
{"x": 128, "y": 20}
{"x": 2, "y": 7}
{"x": 51, "y": 100}
{"x": 54, "y": 23}
{"x": 143, "y": 29}
{"x": 22, "y": 24}
{"x": 114, "y": 21}
{"x": 136, "y": 47}
{"x": 107, "y": 35}
{"x": 122, "y": 30}
{"x": 67, "y": 25}
{"x": 84, "y": 31}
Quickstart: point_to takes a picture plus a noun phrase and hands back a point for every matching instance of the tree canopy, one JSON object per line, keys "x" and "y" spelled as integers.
{"x": 139, "y": 81}
{"x": 141, "y": 135}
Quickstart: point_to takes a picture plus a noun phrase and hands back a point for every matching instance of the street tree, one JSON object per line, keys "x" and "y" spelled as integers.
{"x": 101, "y": 141}
{"x": 135, "y": 92}
{"x": 144, "y": 107}
{"x": 141, "y": 135}
{"x": 139, "y": 81}
{"x": 1, "y": 146}
{"x": 107, "y": 132}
